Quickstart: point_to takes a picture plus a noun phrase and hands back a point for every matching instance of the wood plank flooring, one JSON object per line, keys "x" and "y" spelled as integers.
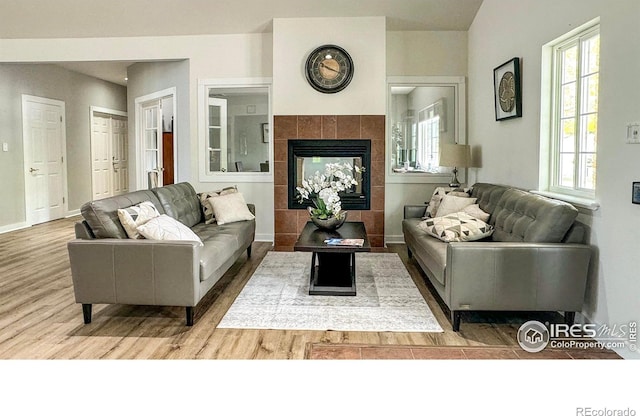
{"x": 39, "y": 318}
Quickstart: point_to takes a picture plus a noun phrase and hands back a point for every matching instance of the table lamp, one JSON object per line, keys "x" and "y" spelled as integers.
{"x": 455, "y": 156}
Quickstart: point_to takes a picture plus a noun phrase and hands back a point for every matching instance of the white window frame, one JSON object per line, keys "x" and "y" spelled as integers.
{"x": 203, "y": 143}
{"x": 550, "y": 121}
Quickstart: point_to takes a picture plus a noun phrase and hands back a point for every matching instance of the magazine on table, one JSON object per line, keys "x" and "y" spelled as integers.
{"x": 359, "y": 242}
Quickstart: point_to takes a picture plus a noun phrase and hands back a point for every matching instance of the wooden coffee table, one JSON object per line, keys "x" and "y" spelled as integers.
{"x": 333, "y": 268}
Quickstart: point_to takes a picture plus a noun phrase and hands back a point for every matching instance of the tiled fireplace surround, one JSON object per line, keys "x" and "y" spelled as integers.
{"x": 289, "y": 222}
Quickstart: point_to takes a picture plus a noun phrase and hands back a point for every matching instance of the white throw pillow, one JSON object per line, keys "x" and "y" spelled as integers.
{"x": 230, "y": 208}
{"x": 458, "y": 226}
{"x": 165, "y": 227}
{"x": 207, "y": 209}
{"x": 439, "y": 193}
{"x": 475, "y": 211}
{"x": 451, "y": 204}
{"x": 134, "y": 216}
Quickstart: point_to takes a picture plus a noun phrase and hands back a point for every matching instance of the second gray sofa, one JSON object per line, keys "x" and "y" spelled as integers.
{"x": 535, "y": 260}
{"x": 108, "y": 267}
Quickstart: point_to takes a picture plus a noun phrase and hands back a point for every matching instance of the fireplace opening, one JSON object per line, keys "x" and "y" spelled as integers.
{"x": 305, "y": 157}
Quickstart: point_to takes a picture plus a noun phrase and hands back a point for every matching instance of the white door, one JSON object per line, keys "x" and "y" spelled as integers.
{"x": 109, "y": 162}
{"x": 43, "y": 137}
{"x": 217, "y": 134}
{"x": 152, "y": 141}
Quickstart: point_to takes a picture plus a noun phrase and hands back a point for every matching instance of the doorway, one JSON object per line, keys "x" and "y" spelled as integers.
{"x": 109, "y": 153}
{"x": 155, "y": 127}
{"x": 43, "y": 135}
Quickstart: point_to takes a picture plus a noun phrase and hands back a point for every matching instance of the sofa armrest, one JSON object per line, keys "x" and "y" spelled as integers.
{"x": 516, "y": 276}
{"x": 139, "y": 272}
{"x": 414, "y": 211}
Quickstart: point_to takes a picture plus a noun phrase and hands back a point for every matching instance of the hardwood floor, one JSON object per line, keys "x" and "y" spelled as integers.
{"x": 39, "y": 318}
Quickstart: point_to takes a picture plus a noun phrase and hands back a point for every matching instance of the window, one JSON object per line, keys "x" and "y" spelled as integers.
{"x": 234, "y": 131}
{"x": 428, "y": 157}
{"x": 574, "y": 114}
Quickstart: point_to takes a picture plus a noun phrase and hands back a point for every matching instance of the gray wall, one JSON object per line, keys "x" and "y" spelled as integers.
{"x": 79, "y": 92}
{"x": 150, "y": 77}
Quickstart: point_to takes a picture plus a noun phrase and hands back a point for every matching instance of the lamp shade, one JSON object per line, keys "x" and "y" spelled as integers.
{"x": 455, "y": 155}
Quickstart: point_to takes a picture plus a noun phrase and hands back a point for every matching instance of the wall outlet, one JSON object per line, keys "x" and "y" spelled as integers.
{"x": 633, "y": 133}
{"x": 5, "y": 147}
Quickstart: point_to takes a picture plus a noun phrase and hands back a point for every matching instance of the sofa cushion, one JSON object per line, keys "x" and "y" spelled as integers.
{"x": 523, "y": 216}
{"x": 131, "y": 218}
{"x": 451, "y": 203}
{"x": 220, "y": 242}
{"x": 458, "y": 226}
{"x": 181, "y": 202}
{"x": 487, "y": 196}
{"x": 165, "y": 227}
{"x": 230, "y": 208}
{"x": 431, "y": 251}
{"x": 102, "y": 215}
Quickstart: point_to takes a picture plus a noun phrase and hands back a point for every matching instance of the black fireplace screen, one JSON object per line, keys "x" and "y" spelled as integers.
{"x": 305, "y": 157}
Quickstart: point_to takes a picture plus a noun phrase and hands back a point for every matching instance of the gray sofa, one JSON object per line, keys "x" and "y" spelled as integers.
{"x": 108, "y": 267}
{"x": 535, "y": 260}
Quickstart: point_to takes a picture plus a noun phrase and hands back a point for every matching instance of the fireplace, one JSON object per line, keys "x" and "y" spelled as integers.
{"x": 289, "y": 222}
{"x": 305, "y": 157}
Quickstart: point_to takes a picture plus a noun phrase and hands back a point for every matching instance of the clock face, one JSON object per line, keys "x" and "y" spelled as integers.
{"x": 507, "y": 92}
{"x": 329, "y": 69}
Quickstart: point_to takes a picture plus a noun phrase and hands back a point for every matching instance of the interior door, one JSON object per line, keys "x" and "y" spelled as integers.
{"x": 43, "y": 159}
{"x": 217, "y": 134}
{"x": 152, "y": 142}
{"x": 119, "y": 155}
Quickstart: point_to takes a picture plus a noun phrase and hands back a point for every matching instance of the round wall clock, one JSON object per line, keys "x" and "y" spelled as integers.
{"x": 329, "y": 69}
{"x": 507, "y": 92}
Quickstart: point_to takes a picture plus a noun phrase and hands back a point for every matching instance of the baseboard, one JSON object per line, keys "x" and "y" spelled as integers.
{"x": 394, "y": 239}
{"x": 73, "y": 213}
{"x": 13, "y": 227}
{"x": 264, "y": 238}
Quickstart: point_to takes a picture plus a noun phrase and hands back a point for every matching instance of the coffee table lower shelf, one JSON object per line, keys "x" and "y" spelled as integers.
{"x": 334, "y": 274}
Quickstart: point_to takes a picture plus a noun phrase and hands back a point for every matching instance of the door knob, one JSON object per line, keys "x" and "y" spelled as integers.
{"x": 33, "y": 170}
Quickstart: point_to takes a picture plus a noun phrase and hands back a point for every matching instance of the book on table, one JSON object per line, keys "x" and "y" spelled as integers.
{"x": 359, "y": 242}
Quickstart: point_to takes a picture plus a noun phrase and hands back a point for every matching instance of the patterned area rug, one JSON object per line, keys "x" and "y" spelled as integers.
{"x": 276, "y": 297}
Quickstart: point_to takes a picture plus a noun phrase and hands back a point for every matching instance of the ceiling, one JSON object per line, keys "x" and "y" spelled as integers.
{"x": 30, "y": 19}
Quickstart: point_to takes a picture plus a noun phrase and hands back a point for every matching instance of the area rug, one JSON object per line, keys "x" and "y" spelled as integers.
{"x": 277, "y": 297}
{"x": 324, "y": 351}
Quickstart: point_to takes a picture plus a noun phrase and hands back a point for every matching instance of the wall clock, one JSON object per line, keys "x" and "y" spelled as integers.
{"x": 329, "y": 69}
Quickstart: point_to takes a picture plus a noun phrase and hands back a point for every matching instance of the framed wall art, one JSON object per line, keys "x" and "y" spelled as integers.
{"x": 507, "y": 90}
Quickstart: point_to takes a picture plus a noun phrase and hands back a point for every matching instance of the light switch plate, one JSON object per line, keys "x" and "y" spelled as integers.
{"x": 5, "y": 147}
{"x": 633, "y": 133}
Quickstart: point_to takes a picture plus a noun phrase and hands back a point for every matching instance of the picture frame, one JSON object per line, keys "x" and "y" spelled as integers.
{"x": 265, "y": 132}
{"x": 635, "y": 193}
{"x": 507, "y": 90}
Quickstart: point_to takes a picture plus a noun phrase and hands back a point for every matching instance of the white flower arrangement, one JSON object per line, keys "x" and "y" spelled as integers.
{"x": 323, "y": 188}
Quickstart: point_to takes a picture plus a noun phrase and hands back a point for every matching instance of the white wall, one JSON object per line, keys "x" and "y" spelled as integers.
{"x": 79, "y": 92}
{"x": 419, "y": 54}
{"x": 510, "y": 148}
{"x": 363, "y": 38}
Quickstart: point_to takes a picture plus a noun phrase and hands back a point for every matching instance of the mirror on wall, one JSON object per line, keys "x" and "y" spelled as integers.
{"x": 423, "y": 114}
{"x": 237, "y": 129}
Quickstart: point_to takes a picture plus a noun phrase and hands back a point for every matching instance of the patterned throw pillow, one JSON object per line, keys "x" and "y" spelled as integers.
{"x": 207, "y": 209}
{"x": 165, "y": 227}
{"x": 230, "y": 208}
{"x": 134, "y": 216}
{"x": 458, "y": 226}
{"x": 439, "y": 193}
{"x": 451, "y": 203}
